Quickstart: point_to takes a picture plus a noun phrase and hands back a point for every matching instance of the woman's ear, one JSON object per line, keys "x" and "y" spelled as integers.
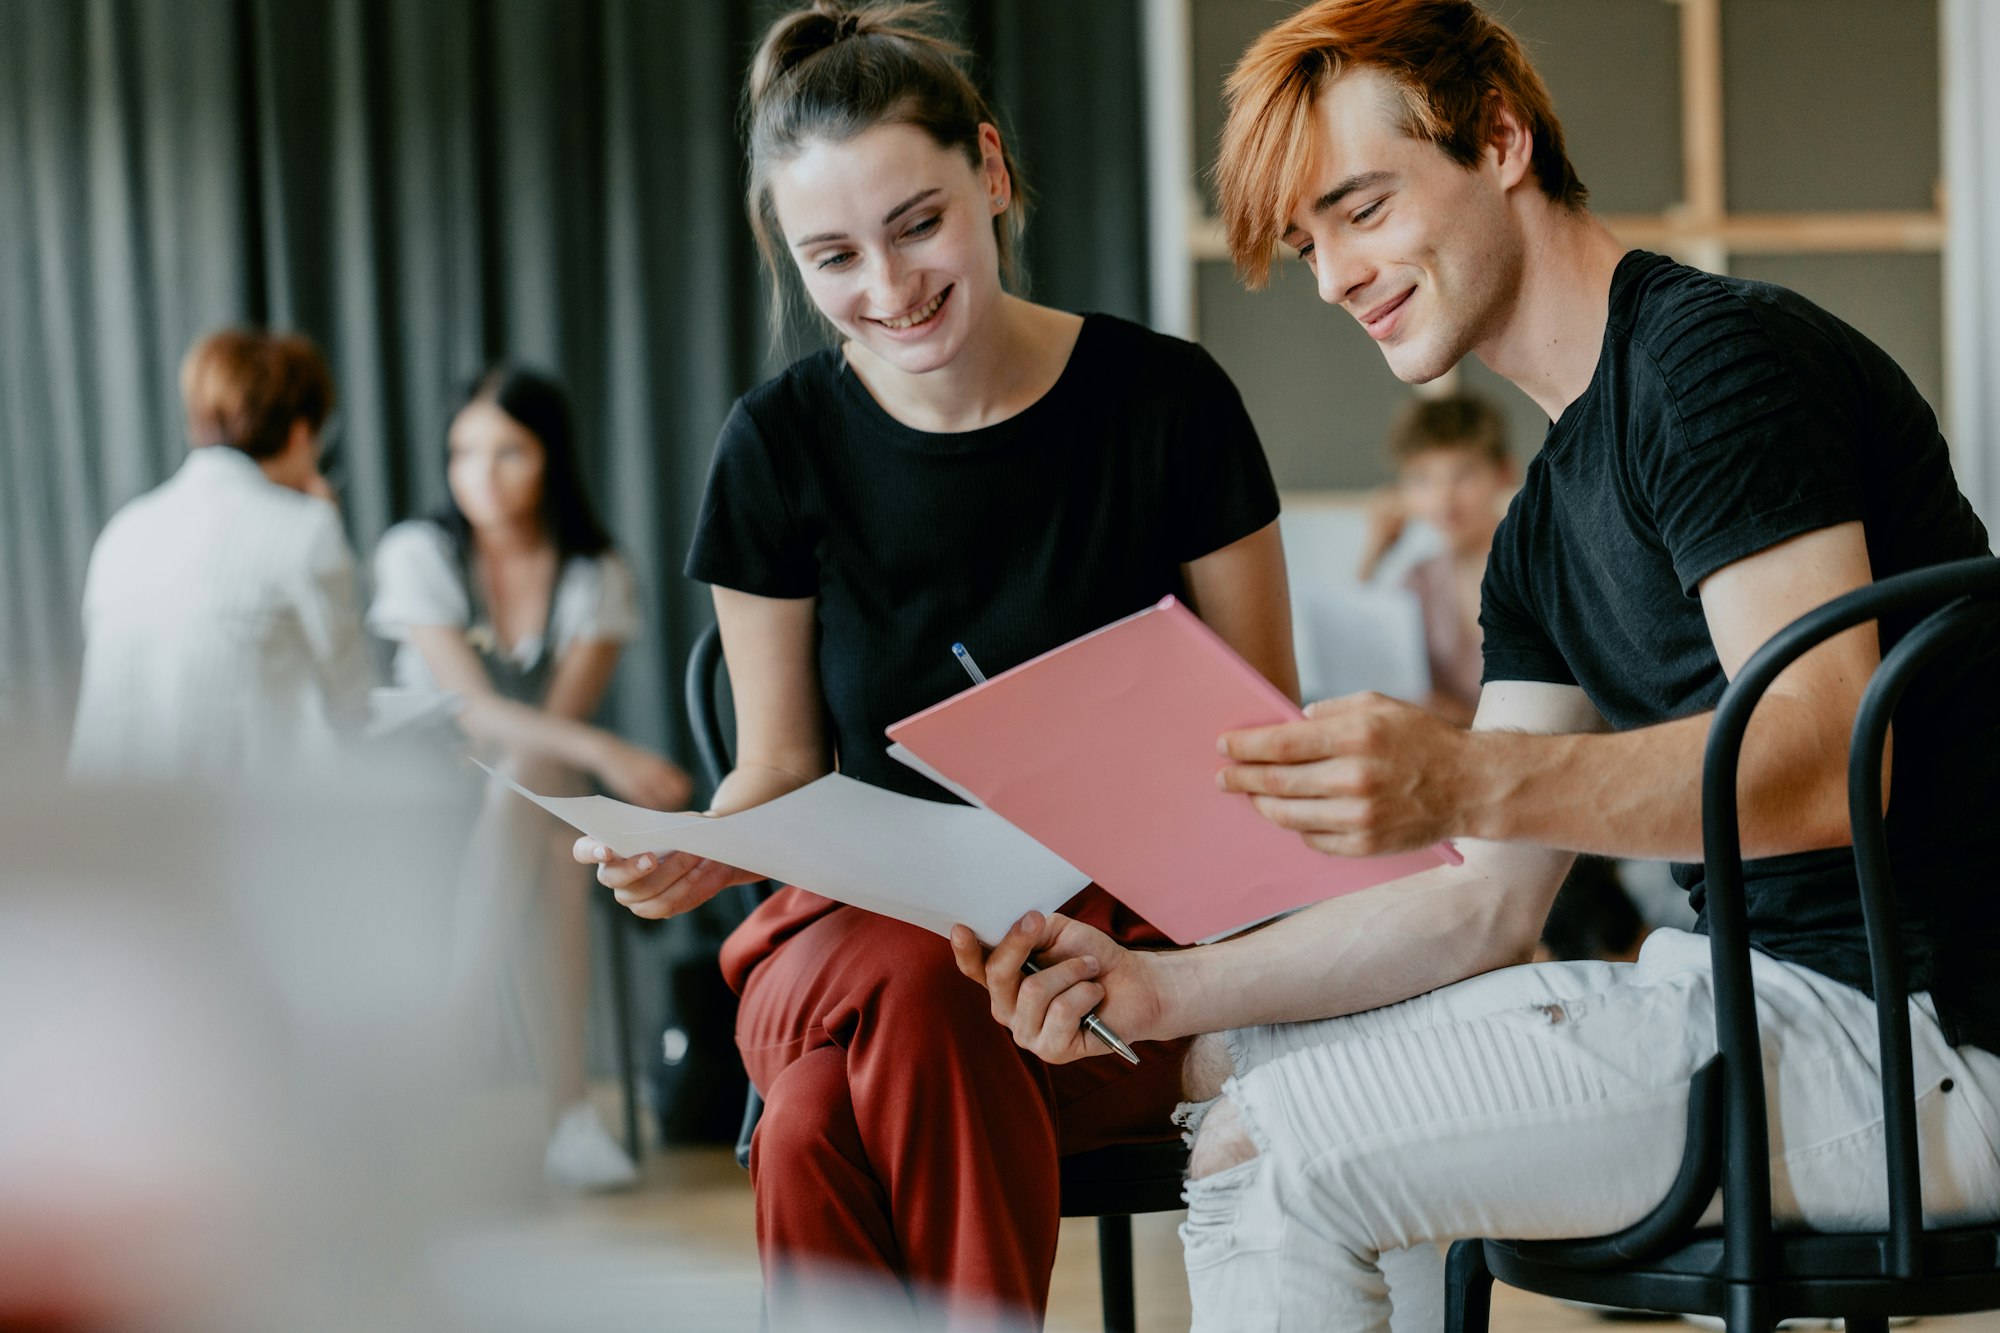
{"x": 993, "y": 169}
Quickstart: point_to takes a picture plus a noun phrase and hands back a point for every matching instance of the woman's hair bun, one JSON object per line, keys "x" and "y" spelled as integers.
{"x": 797, "y": 38}
{"x": 804, "y": 33}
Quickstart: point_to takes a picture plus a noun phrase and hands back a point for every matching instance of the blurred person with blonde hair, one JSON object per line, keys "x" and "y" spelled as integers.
{"x": 222, "y": 639}
{"x": 1453, "y": 473}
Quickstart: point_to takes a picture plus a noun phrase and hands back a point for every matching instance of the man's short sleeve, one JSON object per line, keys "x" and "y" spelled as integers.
{"x": 1513, "y": 643}
{"x": 747, "y": 536}
{"x": 417, "y": 581}
{"x": 1224, "y": 489}
{"x": 1753, "y": 450}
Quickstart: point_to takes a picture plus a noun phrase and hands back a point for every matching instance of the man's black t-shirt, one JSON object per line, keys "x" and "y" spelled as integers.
{"x": 1725, "y": 417}
{"x": 1012, "y": 539}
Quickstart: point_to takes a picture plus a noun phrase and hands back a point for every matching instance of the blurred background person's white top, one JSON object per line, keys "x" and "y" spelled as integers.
{"x": 222, "y": 637}
{"x": 420, "y": 580}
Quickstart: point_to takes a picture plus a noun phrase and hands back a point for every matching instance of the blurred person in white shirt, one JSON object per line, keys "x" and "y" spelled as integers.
{"x": 222, "y": 636}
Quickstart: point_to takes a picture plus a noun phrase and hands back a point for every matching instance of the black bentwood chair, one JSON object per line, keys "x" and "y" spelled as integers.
{"x": 1111, "y": 1184}
{"x": 1746, "y": 1272}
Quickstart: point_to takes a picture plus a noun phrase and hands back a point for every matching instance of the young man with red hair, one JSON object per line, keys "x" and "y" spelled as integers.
{"x": 1723, "y": 457}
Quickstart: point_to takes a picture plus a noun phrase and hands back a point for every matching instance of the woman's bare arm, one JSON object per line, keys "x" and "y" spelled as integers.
{"x": 1240, "y": 592}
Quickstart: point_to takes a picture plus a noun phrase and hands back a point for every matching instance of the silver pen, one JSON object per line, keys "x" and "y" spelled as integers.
{"x": 1092, "y": 1024}
{"x": 1095, "y": 1026}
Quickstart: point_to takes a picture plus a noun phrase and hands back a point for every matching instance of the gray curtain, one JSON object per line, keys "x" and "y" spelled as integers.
{"x": 425, "y": 186}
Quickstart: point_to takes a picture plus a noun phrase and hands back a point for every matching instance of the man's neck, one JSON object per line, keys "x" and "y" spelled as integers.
{"x": 1551, "y": 339}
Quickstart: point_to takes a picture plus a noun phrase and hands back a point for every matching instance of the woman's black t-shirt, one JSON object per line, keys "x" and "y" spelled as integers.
{"x": 1012, "y": 539}
{"x": 1725, "y": 417}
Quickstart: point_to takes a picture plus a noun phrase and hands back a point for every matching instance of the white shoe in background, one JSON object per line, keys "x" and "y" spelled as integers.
{"x": 583, "y": 1156}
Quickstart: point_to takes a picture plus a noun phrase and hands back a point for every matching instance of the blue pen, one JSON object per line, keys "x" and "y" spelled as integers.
{"x": 971, "y": 667}
{"x": 1092, "y": 1024}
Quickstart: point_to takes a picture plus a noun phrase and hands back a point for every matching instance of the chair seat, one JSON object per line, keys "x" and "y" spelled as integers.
{"x": 1813, "y": 1274}
{"x": 1124, "y": 1179}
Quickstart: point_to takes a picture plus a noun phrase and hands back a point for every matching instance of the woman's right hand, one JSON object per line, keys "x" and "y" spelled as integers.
{"x": 657, "y": 885}
{"x": 636, "y": 774}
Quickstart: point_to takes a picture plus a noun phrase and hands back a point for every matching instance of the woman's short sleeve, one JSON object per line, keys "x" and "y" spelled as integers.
{"x": 597, "y": 600}
{"x": 417, "y": 581}
{"x": 1225, "y": 490}
{"x": 746, "y": 536}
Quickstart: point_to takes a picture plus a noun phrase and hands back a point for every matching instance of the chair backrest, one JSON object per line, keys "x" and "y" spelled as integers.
{"x": 1958, "y": 596}
{"x": 707, "y": 672}
{"x": 705, "y": 669}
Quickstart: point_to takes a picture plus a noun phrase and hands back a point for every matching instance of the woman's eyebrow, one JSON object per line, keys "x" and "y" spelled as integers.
{"x": 887, "y": 218}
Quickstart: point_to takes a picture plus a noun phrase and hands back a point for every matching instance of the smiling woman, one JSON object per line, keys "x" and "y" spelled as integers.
{"x": 963, "y": 466}
{"x": 906, "y": 285}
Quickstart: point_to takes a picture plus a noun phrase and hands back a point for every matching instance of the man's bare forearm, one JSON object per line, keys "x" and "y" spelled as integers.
{"x": 1638, "y": 793}
{"x": 1368, "y": 949}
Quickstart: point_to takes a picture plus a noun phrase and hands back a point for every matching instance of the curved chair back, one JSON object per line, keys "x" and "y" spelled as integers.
{"x": 707, "y": 672}
{"x": 704, "y": 712}
{"x": 1963, "y": 592}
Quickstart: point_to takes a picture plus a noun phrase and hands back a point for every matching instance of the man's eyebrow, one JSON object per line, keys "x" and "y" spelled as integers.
{"x": 887, "y": 218}
{"x": 1363, "y": 180}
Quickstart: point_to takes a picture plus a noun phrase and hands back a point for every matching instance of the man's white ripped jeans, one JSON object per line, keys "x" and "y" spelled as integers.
{"x": 1542, "y": 1102}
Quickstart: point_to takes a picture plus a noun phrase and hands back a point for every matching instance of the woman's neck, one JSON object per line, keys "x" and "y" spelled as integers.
{"x": 510, "y": 541}
{"x": 1006, "y": 364}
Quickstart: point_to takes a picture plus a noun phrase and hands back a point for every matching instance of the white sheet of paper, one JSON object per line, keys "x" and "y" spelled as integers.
{"x": 903, "y": 756}
{"x": 924, "y": 862}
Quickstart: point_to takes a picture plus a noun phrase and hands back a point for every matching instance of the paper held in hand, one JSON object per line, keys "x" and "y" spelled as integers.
{"x": 1094, "y": 761}
{"x": 924, "y": 862}
{"x": 1104, "y": 750}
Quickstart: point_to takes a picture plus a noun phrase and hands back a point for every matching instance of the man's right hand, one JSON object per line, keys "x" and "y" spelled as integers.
{"x": 659, "y": 885}
{"x": 1082, "y": 969}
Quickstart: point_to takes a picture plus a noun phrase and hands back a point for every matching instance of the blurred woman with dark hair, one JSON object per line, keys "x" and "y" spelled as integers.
{"x": 512, "y": 597}
{"x": 222, "y": 638}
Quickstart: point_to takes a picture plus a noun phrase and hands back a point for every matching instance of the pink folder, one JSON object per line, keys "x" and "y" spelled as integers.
{"x": 1103, "y": 751}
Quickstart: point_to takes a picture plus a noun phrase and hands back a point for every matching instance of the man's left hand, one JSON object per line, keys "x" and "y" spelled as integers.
{"x": 1364, "y": 775}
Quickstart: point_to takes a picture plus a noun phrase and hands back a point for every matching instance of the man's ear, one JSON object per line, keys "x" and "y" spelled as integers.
{"x": 1510, "y": 144}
